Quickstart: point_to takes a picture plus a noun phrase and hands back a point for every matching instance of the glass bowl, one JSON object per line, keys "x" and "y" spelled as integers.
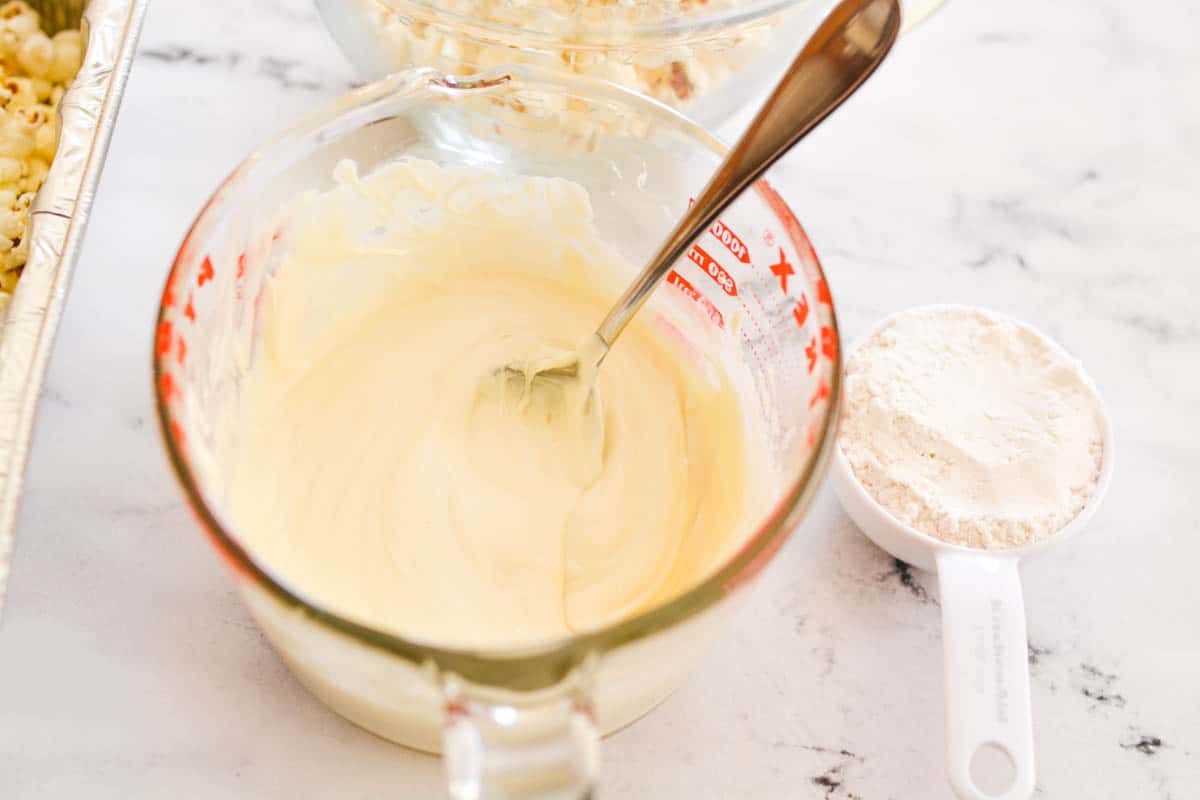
{"x": 707, "y": 58}
{"x": 511, "y": 722}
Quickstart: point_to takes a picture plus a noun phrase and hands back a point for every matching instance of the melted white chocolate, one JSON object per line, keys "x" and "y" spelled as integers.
{"x": 382, "y": 466}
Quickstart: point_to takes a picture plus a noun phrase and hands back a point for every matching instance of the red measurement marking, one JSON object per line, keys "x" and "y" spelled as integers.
{"x": 206, "y": 272}
{"x": 731, "y": 240}
{"x": 709, "y": 265}
{"x": 168, "y": 297}
{"x": 168, "y": 386}
{"x": 811, "y": 353}
{"x": 782, "y": 270}
{"x": 177, "y": 432}
{"x": 733, "y": 243}
{"x": 163, "y": 342}
{"x": 814, "y": 429}
{"x": 828, "y": 343}
{"x": 823, "y": 295}
{"x": 822, "y": 393}
{"x": 681, "y": 283}
{"x": 241, "y": 274}
{"x": 768, "y": 239}
{"x": 189, "y": 310}
{"x": 181, "y": 351}
{"x": 800, "y": 312}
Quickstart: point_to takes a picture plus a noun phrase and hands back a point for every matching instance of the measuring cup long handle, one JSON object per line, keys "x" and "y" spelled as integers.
{"x": 844, "y": 51}
{"x": 987, "y": 670}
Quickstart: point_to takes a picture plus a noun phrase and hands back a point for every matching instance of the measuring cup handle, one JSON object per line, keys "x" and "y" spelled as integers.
{"x": 541, "y": 747}
{"x": 987, "y": 671}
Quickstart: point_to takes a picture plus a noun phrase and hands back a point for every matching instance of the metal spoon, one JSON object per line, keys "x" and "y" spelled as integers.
{"x": 845, "y": 49}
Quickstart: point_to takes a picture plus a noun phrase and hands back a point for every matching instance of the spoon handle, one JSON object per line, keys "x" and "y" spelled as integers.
{"x": 846, "y": 48}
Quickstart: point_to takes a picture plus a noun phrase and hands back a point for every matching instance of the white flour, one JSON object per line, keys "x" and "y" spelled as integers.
{"x": 971, "y": 428}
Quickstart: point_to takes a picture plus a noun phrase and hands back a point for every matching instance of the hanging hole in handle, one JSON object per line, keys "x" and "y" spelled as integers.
{"x": 992, "y": 769}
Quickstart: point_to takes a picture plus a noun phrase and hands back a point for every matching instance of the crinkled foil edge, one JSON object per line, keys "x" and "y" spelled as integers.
{"x": 57, "y": 223}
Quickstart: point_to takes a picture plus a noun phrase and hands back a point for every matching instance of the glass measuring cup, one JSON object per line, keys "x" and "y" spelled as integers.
{"x": 512, "y": 722}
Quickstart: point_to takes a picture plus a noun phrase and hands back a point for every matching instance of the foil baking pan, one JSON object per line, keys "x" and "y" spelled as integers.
{"x": 57, "y": 222}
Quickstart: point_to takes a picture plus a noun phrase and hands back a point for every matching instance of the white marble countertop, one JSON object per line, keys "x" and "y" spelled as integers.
{"x": 1039, "y": 158}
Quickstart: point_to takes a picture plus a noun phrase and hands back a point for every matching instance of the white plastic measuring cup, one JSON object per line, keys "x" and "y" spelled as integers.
{"x": 988, "y": 718}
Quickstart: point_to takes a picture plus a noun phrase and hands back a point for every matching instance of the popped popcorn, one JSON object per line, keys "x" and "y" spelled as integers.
{"x": 34, "y": 72}
{"x": 676, "y": 70}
